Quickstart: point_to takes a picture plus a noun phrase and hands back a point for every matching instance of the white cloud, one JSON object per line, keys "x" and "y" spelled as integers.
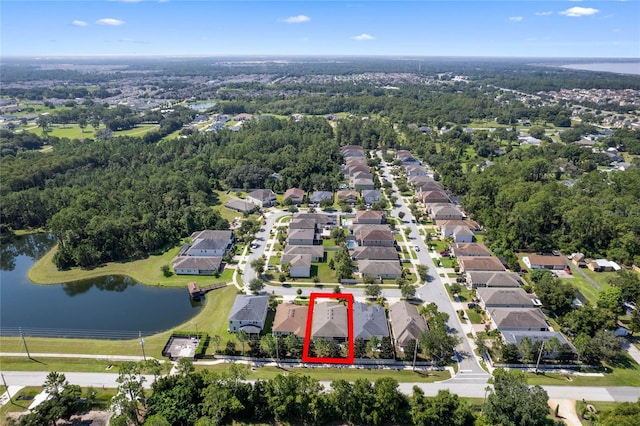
{"x": 296, "y": 19}
{"x": 516, "y": 18}
{"x": 363, "y": 37}
{"x": 78, "y": 23}
{"x": 576, "y": 12}
{"x": 544, "y": 13}
{"x": 110, "y": 21}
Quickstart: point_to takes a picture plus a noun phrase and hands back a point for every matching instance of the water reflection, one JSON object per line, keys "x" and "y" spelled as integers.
{"x": 34, "y": 246}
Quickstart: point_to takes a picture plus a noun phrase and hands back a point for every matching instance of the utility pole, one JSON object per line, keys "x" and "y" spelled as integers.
{"x": 539, "y": 355}
{"x": 144, "y": 357}
{"x": 25, "y": 343}
{"x": 6, "y": 387}
{"x": 415, "y": 354}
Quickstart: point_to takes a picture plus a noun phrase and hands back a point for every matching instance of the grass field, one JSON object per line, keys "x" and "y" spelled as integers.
{"x": 625, "y": 373}
{"x": 59, "y": 364}
{"x": 350, "y": 374}
{"x": 146, "y": 271}
{"x": 73, "y": 131}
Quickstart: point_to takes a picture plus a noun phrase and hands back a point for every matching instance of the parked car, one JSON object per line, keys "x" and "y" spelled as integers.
{"x": 417, "y": 248}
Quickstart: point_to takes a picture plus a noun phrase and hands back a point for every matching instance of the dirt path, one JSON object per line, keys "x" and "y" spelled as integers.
{"x": 567, "y": 412}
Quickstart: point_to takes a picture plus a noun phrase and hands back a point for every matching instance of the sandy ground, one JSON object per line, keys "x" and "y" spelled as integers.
{"x": 92, "y": 418}
{"x": 567, "y": 411}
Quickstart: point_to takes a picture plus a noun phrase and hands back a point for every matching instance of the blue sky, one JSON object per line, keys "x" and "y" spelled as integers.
{"x": 418, "y": 28}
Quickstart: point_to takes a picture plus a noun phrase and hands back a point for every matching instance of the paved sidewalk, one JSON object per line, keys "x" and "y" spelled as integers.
{"x": 11, "y": 390}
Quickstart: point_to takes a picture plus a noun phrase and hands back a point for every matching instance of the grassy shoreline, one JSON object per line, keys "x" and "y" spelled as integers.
{"x": 145, "y": 271}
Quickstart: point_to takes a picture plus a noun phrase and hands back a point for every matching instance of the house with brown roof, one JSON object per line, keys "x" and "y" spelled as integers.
{"x": 413, "y": 170}
{"x": 406, "y": 323}
{"x": 375, "y": 237}
{"x": 445, "y": 211}
{"x": 544, "y": 262}
{"x": 361, "y": 184}
{"x": 330, "y": 321}
{"x": 469, "y": 249}
{"x": 579, "y": 260}
{"x": 434, "y": 196}
{"x": 493, "y": 279}
{"x": 370, "y": 217}
{"x": 381, "y": 269}
{"x": 504, "y": 298}
{"x": 302, "y": 223}
{"x": 472, "y": 225}
{"x": 348, "y": 196}
{"x": 506, "y": 319}
{"x": 290, "y": 319}
{"x": 476, "y": 263}
{"x": 296, "y": 195}
{"x": 358, "y": 168}
{"x": 243, "y": 117}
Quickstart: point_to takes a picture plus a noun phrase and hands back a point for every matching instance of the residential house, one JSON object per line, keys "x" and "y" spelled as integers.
{"x": 371, "y": 196}
{"x": 435, "y": 196}
{"x": 406, "y": 157}
{"x": 459, "y": 233}
{"x": 299, "y": 265}
{"x": 493, "y": 279}
{"x": 381, "y": 269}
{"x": 209, "y": 243}
{"x": 356, "y": 168}
{"x": 197, "y": 265}
{"x": 248, "y": 313}
{"x": 316, "y": 252}
{"x": 531, "y": 319}
{"x": 516, "y": 337}
{"x": 473, "y": 225}
{"x": 412, "y": 170}
{"x": 323, "y": 221}
{"x": 603, "y": 265}
{"x": 301, "y": 237}
{"x": 290, "y": 319}
{"x": 296, "y": 195}
{"x": 302, "y": 223}
{"x": 318, "y": 196}
{"x": 330, "y": 321}
{"x": 369, "y": 321}
{"x": 406, "y": 323}
{"x": 262, "y": 197}
{"x": 375, "y": 237}
{"x": 374, "y": 253}
{"x": 361, "y": 184}
{"x": 469, "y": 249}
{"x": 373, "y": 217}
{"x": 545, "y": 262}
{"x": 243, "y": 117}
{"x": 476, "y": 263}
{"x": 348, "y": 196}
{"x": 445, "y": 211}
{"x": 241, "y": 206}
{"x": 579, "y": 260}
{"x": 504, "y": 298}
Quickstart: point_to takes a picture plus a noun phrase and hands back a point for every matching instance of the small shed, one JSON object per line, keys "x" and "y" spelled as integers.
{"x": 194, "y": 290}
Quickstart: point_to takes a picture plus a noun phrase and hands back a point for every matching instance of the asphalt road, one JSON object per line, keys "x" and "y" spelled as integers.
{"x": 477, "y": 390}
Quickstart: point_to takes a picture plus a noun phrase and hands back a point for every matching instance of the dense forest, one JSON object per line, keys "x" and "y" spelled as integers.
{"x": 123, "y": 198}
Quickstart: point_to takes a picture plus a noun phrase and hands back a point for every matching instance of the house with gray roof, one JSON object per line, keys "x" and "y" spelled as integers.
{"x": 362, "y": 183}
{"x": 374, "y": 217}
{"x": 318, "y": 196}
{"x": 330, "y": 321}
{"x": 262, "y": 197}
{"x": 369, "y": 321}
{"x": 375, "y": 237}
{"x": 371, "y": 196}
{"x": 445, "y": 211}
{"x": 316, "y": 252}
{"x": 406, "y": 323}
{"x": 497, "y": 297}
{"x": 383, "y": 269}
{"x": 516, "y": 337}
{"x": 299, "y": 265}
{"x": 301, "y": 237}
{"x": 374, "y": 253}
{"x": 209, "y": 243}
{"x": 248, "y": 313}
{"x": 241, "y": 206}
{"x": 506, "y": 319}
{"x": 491, "y": 279}
{"x": 196, "y": 265}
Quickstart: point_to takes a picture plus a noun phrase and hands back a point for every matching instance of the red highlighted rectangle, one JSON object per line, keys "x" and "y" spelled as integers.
{"x": 307, "y": 337}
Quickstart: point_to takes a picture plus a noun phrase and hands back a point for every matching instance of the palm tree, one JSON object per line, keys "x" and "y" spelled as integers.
{"x": 373, "y": 345}
{"x": 243, "y": 338}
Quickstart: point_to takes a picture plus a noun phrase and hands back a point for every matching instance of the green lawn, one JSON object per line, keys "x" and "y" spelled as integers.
{"x": 626, "y": 373}
{"x": 331, "y": 374}
{"x": 473, "y": 316}
{"x": 59, "y": 364}
{"x": 17, "y": 403}
{"x": 464, "y": 295}
{"x": 146, "y": 271}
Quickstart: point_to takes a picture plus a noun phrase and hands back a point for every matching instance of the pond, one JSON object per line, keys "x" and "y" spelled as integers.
{"x": 111, "y": 307}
